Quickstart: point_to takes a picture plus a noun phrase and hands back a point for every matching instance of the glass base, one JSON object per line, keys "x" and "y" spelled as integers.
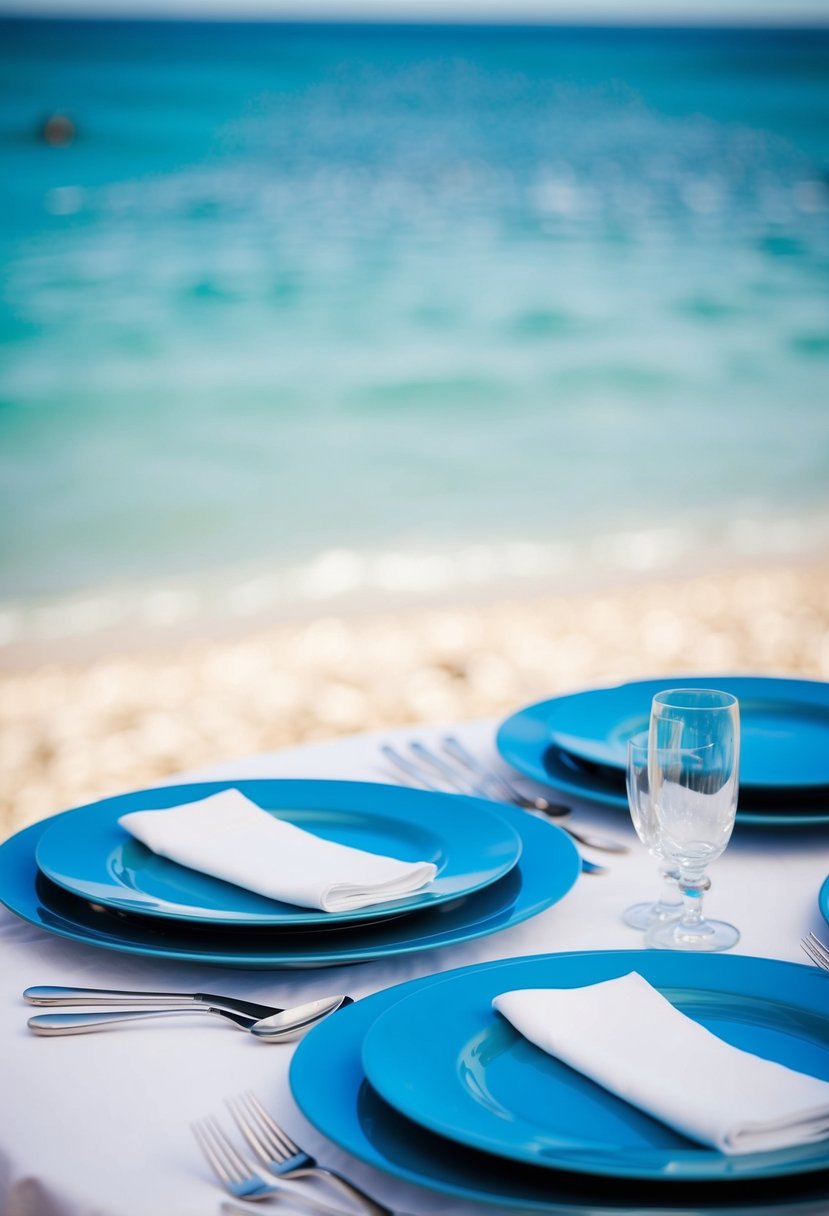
{"x": 706, "y": 935}
{"x": 642, "y": 916}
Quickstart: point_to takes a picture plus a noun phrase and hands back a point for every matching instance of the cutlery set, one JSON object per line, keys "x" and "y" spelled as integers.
{"x": 282, "y": 1157}
{"x": 267, "y": 1024}
{"x": 469, "y": 776}
{"x": 236, "y": 1173}
{"x": 280, "y": 1162}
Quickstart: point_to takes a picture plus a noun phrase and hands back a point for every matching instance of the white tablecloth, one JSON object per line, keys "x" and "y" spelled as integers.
{"x": 97, "y": 1125}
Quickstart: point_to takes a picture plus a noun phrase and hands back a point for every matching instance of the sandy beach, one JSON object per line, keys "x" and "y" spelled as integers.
{"x": 72, "y": 731}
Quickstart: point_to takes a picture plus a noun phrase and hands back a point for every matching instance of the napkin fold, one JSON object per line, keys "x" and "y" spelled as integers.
{"x": 626, "y": 1036}
{"x": 229, "y": 837}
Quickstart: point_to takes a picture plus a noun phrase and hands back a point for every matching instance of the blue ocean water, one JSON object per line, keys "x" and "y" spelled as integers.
{"x": 311, "y": 311}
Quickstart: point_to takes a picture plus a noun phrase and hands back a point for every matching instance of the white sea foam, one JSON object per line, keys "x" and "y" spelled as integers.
{"x": 345, "y": 579}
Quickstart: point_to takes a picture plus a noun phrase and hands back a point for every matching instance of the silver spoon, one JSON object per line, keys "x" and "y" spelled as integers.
{"x": 279, "y": 1027}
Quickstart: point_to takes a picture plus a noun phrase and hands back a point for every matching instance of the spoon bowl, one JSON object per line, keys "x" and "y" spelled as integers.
{"x": 280, "y": 1027}
{"x": 292, "y": 1023}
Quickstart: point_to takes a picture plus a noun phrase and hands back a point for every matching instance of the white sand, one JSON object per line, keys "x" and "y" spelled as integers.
{"x": 74, "y": 732}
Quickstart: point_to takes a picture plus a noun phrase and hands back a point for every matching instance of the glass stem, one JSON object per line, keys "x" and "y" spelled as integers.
{"x": 693, "y": 887}
{"x": 670, "y": 896}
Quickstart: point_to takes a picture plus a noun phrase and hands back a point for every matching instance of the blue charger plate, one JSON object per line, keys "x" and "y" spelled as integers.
{"x": 823, "y": 900}
{"x": 547, "y": 869}
{"x": 784, "y": 725}
{"x": 468, "y": 1075}
{"x": 329, "y": 1084}
{"x": 525, "y": 742}
{"x": 90, "y": 854}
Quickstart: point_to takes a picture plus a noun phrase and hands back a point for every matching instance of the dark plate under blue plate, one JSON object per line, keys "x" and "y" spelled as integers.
{"x": 547, "y": 869}
{"x": 524, "y": 741}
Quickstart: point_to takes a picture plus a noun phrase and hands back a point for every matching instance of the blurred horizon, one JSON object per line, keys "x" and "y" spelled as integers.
{"x": 304, "y": 314}
{"x": 713, "y": 13}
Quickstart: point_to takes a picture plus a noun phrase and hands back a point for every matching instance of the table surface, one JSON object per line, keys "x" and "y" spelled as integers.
{"x": 99, "y": 1124}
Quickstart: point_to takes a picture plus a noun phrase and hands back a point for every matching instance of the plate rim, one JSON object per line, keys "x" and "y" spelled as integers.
{"x": 785, "y": 684}
{"x": 417, "y": 902}
{"x": 823, "y": 899}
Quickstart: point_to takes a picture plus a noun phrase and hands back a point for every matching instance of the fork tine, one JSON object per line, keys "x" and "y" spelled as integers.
{"x": 237, "y": 1160}
{"x": 223, "y": 1142}
{"x": 242, "y": 1179}
{"x": 460, "y": 755}
{"x": 207, "y": 1151}
{"x": 810, "y": 951}
{"x": 287, "y": 1145}
{"x": 816, "y": 951}
{"x": 409, "y": 769}
{"x": 437, "y": 764}
{"x": 819, "y": 946}
{"x": 213, "y": 1150}
{"x": 258, "y": 1137}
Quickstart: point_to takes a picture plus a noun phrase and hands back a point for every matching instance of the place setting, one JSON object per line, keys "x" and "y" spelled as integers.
{"x": 283, "y": 873}
{"x": 432, "y": 1084}
{"x": 576, "y": 744}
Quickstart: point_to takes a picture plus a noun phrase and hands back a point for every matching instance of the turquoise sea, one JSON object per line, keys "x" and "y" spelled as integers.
{"x": 311, "y": 312}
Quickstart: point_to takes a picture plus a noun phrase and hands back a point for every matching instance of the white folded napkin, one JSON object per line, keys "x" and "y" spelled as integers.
{"x": 229, "y": 837}
{"x": 626, "y": 1036}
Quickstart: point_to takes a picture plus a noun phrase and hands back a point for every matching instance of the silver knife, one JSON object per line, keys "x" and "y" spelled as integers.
{"x": 56, "y": 995}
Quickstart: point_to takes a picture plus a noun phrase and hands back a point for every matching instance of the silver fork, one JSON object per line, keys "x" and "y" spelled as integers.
{"x": 464, "y": 785}
{"x": 241, "y": 1178}
{"x": 511, "y": 792}
{"x": 283, "y": 1157}
{"x": 817, "y": 952}
{"x": 412, "y": 773}
{"x": 462, "y": 781}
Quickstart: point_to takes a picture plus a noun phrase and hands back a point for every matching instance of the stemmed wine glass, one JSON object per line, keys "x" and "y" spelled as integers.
{"x": 669, "y": 905}
{"x": 693, "y": 773}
